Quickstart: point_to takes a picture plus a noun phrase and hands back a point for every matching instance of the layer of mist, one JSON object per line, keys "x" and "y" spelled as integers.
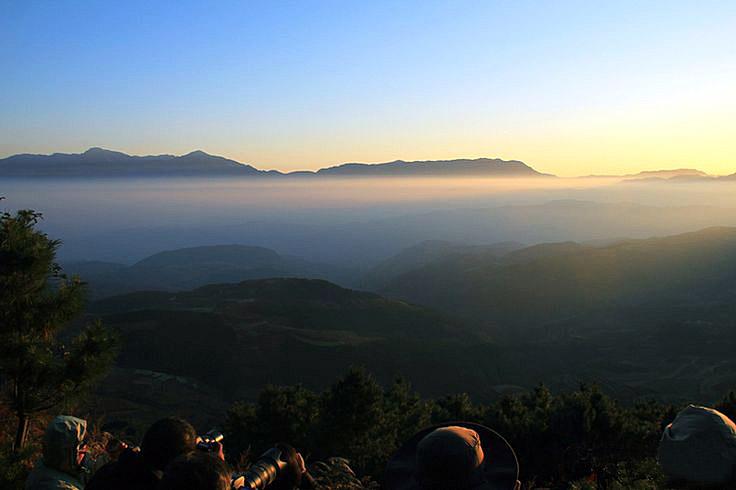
{"x": 356, "y": 222}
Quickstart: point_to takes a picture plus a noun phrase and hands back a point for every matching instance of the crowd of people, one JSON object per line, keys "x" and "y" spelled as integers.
{"x": 172, "y": 456}
{"x": 697, "y": 450}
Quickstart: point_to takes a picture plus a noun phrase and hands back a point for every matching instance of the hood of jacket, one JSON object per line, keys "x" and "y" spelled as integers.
{"x": 61, "y": 441}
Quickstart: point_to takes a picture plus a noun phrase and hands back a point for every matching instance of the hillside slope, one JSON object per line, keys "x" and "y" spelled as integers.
{"x": 426, "y": 253}
{"x": 239, "y": 337}
{"x": 187, "y": 268}
{"x": 551, "y": 282}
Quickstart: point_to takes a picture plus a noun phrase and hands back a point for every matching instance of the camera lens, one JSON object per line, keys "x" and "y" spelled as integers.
{"x": 264, "y": 472}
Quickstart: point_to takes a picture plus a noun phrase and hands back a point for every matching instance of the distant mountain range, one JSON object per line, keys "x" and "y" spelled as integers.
{"x": 98, "y": 162}
{"x": 678, "y": 175}
{"x": 669, "y": 174}
{"x": 101, "y": 163}
{"x": 476, "y": 167}
{"x": 673, "y": 176}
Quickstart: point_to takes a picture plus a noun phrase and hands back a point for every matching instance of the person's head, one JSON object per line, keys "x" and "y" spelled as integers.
{"x": 165, "y": 440}
{"x": 64, "y": 443}
{"x": 196, "y": 471}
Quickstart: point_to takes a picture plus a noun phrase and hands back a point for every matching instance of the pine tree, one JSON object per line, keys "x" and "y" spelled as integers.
{"x": 38, "y": 371}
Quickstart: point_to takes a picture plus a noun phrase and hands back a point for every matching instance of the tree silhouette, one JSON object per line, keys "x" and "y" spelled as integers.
{"x": 38, "y": 369}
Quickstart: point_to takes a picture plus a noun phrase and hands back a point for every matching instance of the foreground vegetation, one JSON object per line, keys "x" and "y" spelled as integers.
{"x": 578, "y": 439}
{"x": 559, "y": 438}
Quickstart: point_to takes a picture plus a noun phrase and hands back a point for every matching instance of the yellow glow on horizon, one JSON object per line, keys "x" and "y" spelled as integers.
{"x": 614, "y": 141}
{"x": 663, "y": 132}
{"x": 595, "y": 145}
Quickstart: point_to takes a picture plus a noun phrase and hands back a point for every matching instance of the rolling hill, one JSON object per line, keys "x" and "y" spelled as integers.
{"x": 187, "y": 268}
{"x": 239, "y": 337}
{"x": 641, "y": 318}
{"x": 551, "y": 282}
{"x": 425, "y": 253}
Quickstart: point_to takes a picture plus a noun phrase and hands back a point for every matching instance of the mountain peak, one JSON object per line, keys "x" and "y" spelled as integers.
{"x": 98, "y": 154}
{"x": 197, "y": 153}
{"x": 97, "y": 151}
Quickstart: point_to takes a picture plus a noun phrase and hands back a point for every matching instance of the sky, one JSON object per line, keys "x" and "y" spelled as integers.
{"x": 569, "y": 87}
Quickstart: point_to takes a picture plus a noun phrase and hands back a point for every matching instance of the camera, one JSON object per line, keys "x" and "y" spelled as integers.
{"x": 263, "y": 472}
{"x": 210, "y": 441}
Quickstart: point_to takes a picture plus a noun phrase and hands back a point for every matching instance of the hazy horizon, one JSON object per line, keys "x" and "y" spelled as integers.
{"x": 589, "y": 176}
{"x": 356, "y": 220}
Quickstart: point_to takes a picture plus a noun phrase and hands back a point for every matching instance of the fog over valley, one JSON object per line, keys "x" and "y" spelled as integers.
{"x": 356, "y": 221}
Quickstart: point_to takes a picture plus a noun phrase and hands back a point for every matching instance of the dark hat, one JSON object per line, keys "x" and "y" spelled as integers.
{"x": 453, "y": 456}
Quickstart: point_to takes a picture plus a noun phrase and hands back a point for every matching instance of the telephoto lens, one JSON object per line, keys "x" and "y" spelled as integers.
{"x": 263, "y": 472}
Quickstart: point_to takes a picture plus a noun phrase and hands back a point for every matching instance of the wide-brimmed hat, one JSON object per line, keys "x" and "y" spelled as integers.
{"x": 462, "y": 455}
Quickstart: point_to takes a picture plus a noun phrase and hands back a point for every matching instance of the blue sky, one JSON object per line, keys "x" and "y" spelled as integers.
{"x": 571, "y": 87}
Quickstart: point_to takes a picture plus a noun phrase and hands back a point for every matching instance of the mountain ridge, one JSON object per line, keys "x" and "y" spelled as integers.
{"x": 460, "y": 166}
{"x": 554, "y": 281}
{"x": 97, "y": 162}
{"x": 100, "y": 162}
{"x": 192, "y": 267}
